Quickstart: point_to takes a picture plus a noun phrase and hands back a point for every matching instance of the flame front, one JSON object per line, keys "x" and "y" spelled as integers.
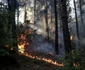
{"x": 23, "y": 42}
{"x": 44, "y": 59}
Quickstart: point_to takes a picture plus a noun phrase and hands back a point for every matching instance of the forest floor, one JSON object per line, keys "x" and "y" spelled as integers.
{"x": 39, "y": 48}
{"x": 26, "y": 63}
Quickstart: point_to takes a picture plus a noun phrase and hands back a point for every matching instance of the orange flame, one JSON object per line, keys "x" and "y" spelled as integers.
{"x": 44, "y": 59}
{"x": 75, "y": 64}
{"x": 23, "y": 42}
{"x": 71, "y": 37}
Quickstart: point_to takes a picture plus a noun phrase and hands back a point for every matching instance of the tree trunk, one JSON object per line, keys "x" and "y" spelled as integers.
{"x": 34, "y": 12}
{"x": 64, "y": 19}
{"x": 25, "y": 15}
{"x": 81, "y": 16}
{"x": 18, "y": 13}
{"x": 77, "y": 27}
{"x": 46, "y": 19}
{"x": 11, "y": 22}
{"x": 56, "y": 28}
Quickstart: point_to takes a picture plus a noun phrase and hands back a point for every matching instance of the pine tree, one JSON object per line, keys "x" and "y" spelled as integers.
{"x": 12, "y": 4}
{"x": 56, "y": 27}
{"x": 64, "y": 19}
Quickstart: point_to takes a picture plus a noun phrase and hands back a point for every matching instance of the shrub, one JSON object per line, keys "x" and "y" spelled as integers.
{"x": 75, "y": 60}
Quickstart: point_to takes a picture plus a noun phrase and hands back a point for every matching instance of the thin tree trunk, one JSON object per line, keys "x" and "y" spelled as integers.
{"x": 46, "y": 19}
{"x": 66, "y": 33}
{"x": 81, "y": 12}
{"x": 34, "y": 12}
{"x": 51, "y": 2}
{"x": 25, "y": 15}
{"x": 18, "y": 13}
{"x": 14, "y": 33}
{"x": 56, "y": 27}
{"x": 11, "y": 22}
{"x": 82, "y": 35}
{"x": 51, "y": 12}
{"x": 77, "y": 27}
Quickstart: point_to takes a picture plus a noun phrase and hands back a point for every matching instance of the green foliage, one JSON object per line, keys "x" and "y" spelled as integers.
{"x": 75, "y": 60}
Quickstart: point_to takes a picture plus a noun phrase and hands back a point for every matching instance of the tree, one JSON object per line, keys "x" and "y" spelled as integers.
{"x": 46, "y": 18}
{"x": 12, "y": 5}
{"x": 18, "y": 13}
{"x": 80, "y": 7}
{"x": 3, "y": 25}
{"x": 77, "y": 27}
{"x": 64, "y": 19}
{"x": 56, "y": 28}
{"x": 34, "y": 11}
{"x": 25, "y": 15}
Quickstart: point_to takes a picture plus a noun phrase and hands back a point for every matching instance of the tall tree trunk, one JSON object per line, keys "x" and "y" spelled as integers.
{"x": 51, "y": 2}
{"x": 18, "y": 13}
{"x": 80, "y": 6}
{"x": 51, "y": 12}
{"x": 64, "y": 20}
{"x": 77, "y": 27}
{"x": 14, "y": 33}
{"x": 56, "y": 27}
{"x": 82, "y": 27}
{"x": 11, "y": 20}
{"x": 25, "y": 15}
{"x": 34, "y": 12}
{"x": 46, "y": 19}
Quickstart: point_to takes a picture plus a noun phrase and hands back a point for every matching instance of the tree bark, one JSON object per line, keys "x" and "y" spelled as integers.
{"x": 11, "y": 22}
{"x": 80, "y": 6}
{"x": 25, "y": 15}
{"x": 56, "y": 28}
{"x": 64, "y": 19}
{"x": 77, "y": 27}
{"x": 46, "y": 19}
{"x": 34, "y": 12}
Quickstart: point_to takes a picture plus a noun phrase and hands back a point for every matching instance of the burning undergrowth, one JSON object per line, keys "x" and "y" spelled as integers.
{"x": 44, "y": 57}
{"x": 24, "y": 40}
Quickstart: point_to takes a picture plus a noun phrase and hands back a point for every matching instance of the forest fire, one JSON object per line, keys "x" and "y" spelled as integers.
{"x": 44, "y": 59}
{"x": 22, "y": 51}
{"x": 75, "y": 64}
{"x": 23, "y": 41}
{"x": 71, "y": 37}
{"x": 22, "y": 45}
